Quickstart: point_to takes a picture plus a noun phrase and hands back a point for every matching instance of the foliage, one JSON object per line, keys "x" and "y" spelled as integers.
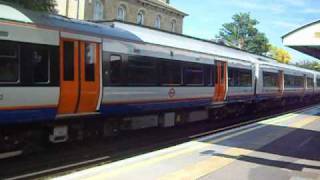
{"x": 36, "y": 5}
{"x": 243, "y": 34}
{"x": 281, "y": 55}
{"x": 313, "y": 65}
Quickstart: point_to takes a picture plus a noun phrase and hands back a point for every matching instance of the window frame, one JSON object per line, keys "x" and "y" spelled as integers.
{"x": 142, "y": 59}
{"x": 294, "y": 79}
{"x": 236, "y": 74}
{"x": 140, "y": 14}
{"x": 98, "y": 7}
{"x": 173, "y": 26}
{"x": 271, "y": 73}
{"x": 90, "y": 77}
{"x": 189, "y": 65}
{"x": 124, "y": 13}
{"x": 49, "y": 70}
{"x": 157, "y": 23}
{"x": 18, "y": 61}
{"x": 312, "y": 82}
{"x": 180, "y": 70}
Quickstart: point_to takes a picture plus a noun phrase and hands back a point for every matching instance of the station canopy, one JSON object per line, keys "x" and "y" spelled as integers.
{"x": 305, "y": 39}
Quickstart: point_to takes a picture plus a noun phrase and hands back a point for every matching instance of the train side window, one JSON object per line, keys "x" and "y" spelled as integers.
{"x": 318, "y": 82}
{"x": 68, "y": 61}
{"x": 40, "y": 64}
{"x": 142, "y": 70}
{"x": 193, "y": 74}
{"x": 310, "y": 83}
{"x": 9, "y": 62}
{"x": 215, "y": 72}
{"x": 298, "y": 81}
{"x": 171, "y": 73}
{"x": 239, "y": 77}
{"x": 288, "y": 81}
{"x": 90, "y": 61}
{"x": 292, "y": 81}
{"x": 208, "y": 75}
{"x": 115, "y": 69}
{"x": 245, "y": 78}
{"x": 270, "y": 79}
{"x": 233, "y": 77}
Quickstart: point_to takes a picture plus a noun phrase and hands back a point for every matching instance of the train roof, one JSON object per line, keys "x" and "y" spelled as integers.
{"x": 179, "y": 41}
{"x": 10, "y": 12}
{"x": 131, "y": 32}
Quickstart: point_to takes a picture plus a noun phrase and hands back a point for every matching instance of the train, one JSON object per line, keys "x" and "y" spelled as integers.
{"x": 63, "y": 79}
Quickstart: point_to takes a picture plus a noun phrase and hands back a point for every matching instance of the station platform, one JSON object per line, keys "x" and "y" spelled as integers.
{"x": 284, "y": 147}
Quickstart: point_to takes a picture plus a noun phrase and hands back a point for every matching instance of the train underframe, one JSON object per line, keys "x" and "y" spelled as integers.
{"x": 34, "y": 137}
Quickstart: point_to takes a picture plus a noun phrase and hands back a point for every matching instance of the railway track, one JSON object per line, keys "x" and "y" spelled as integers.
{"x": 63, "y": 159}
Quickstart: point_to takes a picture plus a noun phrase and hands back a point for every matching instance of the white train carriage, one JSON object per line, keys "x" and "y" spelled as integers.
{"x": 52, "y": 67}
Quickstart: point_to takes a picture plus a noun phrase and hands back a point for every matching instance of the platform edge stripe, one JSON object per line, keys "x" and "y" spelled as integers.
{"x": 115, "y": 172}
{"x": 248, "y": 128}
{"x": 203, "y": 168}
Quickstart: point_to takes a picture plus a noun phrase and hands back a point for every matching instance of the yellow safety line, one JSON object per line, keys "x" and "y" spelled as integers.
{"x": 148, "y": 162}
{"x": 203, "y": 168}
{"x": 304, "y": 122}
{"x": 215, "y": 163}
{"x": 197, "y": 146}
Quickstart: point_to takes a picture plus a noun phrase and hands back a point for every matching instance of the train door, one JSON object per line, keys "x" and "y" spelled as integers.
{"x": 220, "y": 81}
{"x": 79, "y": 76}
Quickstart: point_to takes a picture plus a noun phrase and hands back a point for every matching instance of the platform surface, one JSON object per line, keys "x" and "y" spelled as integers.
{"x": 284, "y": 147}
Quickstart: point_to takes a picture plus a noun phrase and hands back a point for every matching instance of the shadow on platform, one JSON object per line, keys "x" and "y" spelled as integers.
{"x": 278, "y": 140}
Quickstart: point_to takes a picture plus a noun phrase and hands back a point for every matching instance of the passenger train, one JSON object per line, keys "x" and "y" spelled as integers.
{"x": 60, "y": 76}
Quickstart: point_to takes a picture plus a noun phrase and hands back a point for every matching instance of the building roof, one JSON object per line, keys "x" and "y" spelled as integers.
{"x": 305, "y": 39}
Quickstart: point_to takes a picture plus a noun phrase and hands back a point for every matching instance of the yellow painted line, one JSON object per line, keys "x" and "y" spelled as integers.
{"x": 109, "y": 174}
{"x": 277, "y": 120}
{"x": 148, "y": 162}
{"x": 304, "y": 122}
{"x": 205, "y": 167}
{"x": 199, "y": 145}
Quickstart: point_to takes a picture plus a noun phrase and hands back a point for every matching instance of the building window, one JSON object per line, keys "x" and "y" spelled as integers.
{"x": 121, "y": 13}
{"x": 158, "y": 22}
{"x": 140, "y": 18}
{"x": 98, "y": 10}
{"x": 174, "y": 26}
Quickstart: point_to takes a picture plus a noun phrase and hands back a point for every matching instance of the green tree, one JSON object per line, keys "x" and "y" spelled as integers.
{"x": 243, "y": 34}
{"x": 313, "y": 65}
{"x": 281, "y": 55}
{"x": 36, "y": 5}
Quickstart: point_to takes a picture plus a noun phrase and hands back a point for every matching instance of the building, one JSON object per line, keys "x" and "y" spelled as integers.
{"x": 153, "y": 13}
{"x": 305, "y": 39}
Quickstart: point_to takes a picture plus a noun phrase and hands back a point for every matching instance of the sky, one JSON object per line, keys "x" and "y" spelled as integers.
{"x": 276, "y": 17}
